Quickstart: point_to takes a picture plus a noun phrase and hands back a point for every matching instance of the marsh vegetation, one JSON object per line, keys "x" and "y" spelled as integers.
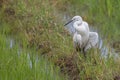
{"x": 40, "y": 40}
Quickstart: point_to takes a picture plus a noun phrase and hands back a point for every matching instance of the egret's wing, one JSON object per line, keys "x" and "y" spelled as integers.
{"x": 93, "y": 40}
{"x": 77, "y": 40}
{"x": 70, "y": 28}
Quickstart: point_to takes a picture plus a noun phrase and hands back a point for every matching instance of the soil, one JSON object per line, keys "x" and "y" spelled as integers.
{"x": 116, "y": 46}
{"x": 68, "y": 66}
{"x": 117, "y": 78}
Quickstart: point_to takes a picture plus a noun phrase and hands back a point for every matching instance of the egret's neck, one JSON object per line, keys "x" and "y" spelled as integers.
{"x": 81, "y": 28}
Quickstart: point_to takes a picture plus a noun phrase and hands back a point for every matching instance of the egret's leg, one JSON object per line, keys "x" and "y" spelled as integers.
{"x": 84, "y": 52}
{"x": 78, "y": 48}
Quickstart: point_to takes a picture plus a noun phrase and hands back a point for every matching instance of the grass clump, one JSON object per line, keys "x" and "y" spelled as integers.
{"x": 21, "y": 64}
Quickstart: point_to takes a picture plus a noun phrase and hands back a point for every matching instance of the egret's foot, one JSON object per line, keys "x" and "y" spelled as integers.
{"x": 78, "y": 49}
{"x": 84, "y": 53}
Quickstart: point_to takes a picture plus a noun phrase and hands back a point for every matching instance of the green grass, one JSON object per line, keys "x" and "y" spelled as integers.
{"x": 37, "y": 27}
{"x": 97, "y": 68}
{"x": 14, "y": 66}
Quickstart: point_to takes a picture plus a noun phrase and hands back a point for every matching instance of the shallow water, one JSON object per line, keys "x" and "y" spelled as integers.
{"x": 19, "y": 52}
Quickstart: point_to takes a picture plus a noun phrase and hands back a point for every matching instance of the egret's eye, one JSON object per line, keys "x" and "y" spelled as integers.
{"x": 73, "y": 19}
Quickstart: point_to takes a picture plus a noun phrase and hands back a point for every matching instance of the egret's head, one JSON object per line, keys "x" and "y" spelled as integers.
{"x": 77, "y": 18}
{"x": 74, "y": 19}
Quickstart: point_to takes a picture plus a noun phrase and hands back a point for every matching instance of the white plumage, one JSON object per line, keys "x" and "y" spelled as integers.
{"x": 83, "y": 39}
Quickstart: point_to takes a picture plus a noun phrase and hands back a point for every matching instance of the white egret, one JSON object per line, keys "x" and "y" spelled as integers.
{"x": 83, "y": 39}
